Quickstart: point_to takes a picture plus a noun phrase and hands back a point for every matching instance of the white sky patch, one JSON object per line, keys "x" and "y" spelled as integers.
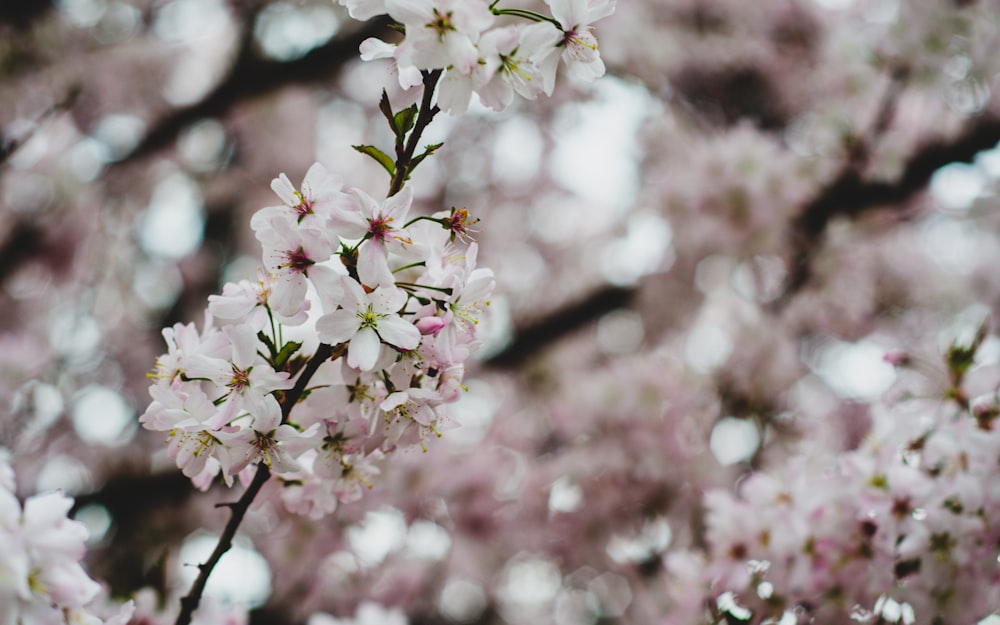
{"x": 954, "y": 244}
{"x": 96, "y": 519}
{"x": 119, "y": 133}
{"x": 529, "y": 582}
{"x": 641, "y": 251}
{"x": 428, "y": 540}
{"x": 856, "y": 370}
{"x": 564, "y": 495}
{"x": 202, "y": 145}
{"x": 957, "y": 185}
{"x": 66, "y": 474}
{"x": 380, "y": 533}
{"x": 835, "y": 5}
{"x": 653, "y": 538}
{"x": 462, "y": 601}
{"x": 734, "y": 440}
{"x": 707, "y": 346}
{"x": 597, "y": 152}
{"x": 75, "y": 336}
{"x": 83, "y": 13}
{"x": 102, "y": 416}
{"x": 207, "y": 34}
{"x": 286, "y": 32}
{"x": 242, "y": 575}
{"x": 173, "y": 224}
{"x": 517, "y": 151}
{"x": 474, "y": 410}
{"x": 87, "y": 158}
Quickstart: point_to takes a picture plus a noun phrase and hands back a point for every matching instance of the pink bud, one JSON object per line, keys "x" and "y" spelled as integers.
{"x": 430, "y": 325}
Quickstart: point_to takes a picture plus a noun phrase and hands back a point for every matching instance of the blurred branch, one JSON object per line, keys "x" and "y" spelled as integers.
{"x": 251, "y": 77}
{"x": 533, "y": 337}
{"x": 10, "y": 145}
{"x": 850, "y": 195}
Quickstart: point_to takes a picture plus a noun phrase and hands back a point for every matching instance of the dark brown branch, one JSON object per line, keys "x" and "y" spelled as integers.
{"x": 849, "y": 195}
{"x": 534, "y": 337}
{"x": 9, "y": 145}
{"x": 190, "y": 603}
{"x": 251, "y": 77}
{"x": 239, "y": 509}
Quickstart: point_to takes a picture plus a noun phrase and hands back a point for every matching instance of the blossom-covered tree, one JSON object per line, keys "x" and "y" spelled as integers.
{"x": 561, "y": 312}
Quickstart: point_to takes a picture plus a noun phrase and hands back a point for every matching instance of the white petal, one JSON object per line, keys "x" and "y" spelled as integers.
{"x": 338, "y": 326}
{"x": 364, "y": 349}
{"x": 395, "y": 331}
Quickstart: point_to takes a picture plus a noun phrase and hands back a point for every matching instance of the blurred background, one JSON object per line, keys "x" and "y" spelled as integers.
{"x": 701, "y": 260}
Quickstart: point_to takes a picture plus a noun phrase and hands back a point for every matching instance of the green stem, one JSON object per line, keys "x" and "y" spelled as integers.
{"x": 404, "y": 157}
{"x": 534, "y": 16}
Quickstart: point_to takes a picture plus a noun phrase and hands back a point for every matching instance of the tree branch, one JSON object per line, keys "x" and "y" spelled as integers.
{"x": 851, "y": 196}
{"x": 251, "y": 77}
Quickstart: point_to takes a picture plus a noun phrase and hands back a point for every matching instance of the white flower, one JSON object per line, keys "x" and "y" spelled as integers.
{"x": 381, "y": 226}
{"x": 578, "y": 48}
{"x": 511, "y": 57}
{"x": 247, "y": 376}
{"x": 320, "y": 193}
{"x": 290, "y": 251}
{"x": 439, "y": 33}
{"x": 367, "y": 320}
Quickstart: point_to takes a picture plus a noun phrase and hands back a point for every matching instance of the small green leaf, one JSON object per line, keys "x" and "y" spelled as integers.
{"x": 266, "y": 340}
{"x": 386, "y": 108}
{"x": 287, "y": 350}
{"x": 404, "y": 120}
{"x": 428, "y": 150}
{"x": 381, "y": 157}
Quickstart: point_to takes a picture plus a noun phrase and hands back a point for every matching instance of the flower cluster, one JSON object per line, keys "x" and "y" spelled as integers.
{"x": 482, "y": 54}
{"x": 394, "y": 303}
{"x": 41, "y": 580}
{"x": 901, "y": 528}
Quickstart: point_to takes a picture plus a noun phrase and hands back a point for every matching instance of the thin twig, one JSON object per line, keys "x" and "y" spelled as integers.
{"x": 424, "y": 117}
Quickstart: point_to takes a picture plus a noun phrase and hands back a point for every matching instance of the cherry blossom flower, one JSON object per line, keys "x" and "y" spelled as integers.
{"x": 512, "y": 57}
{"x": 439, "y": 33}
{"x": 366, "y": 321}
{"x": 578, "y": 47}
{"x": 291, "y": 250}
{"x": 244, "y": 377}
{"x": 381, "y": 227}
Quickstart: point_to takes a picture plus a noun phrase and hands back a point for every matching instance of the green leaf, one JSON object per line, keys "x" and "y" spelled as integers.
{"x": 287, "y": 350}
{"x": 386, "y": 108}
{"x": 428, "y": 150}
{"x": 266, "y": 340}
{"x": 404, "y": 120}
{"x": 381, "y": 157}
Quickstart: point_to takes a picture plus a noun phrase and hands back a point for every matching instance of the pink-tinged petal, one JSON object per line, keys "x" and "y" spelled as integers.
{"x": 373, "y": 265}
{"x": 354, "y": 294}
{"x": 387, "y": 300}
{"x": 397, "y": 206}
{"x": 364, "y": 349}
{"x": 329, "y": 285}
{"x": 244, "y": 341}
{"x": 394, "y": 400}
{"x": 289, "y": 294}
{"x": 395, "y": 331}
{"x": 68, "y": 585}
{"x": 430, "y": 325}
{"x": 338, "y": 326}
{"x": 267, "y": 414}
{"x": 46, "y": 509}
{"x": 284, "y": 189}
{"x": 319, "y": 180}
{"x": 374, "y": 48}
